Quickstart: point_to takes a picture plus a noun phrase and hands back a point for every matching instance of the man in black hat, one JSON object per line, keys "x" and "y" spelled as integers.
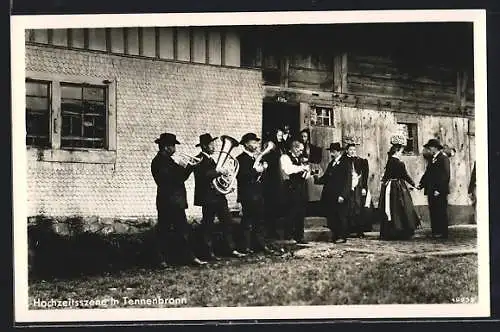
{"x": 213, "y": 202}
{"x": 435, "y": 183}
{"x": 171, "y": 201}
{"x": 295, "y": 174}
{"x": 250, "y": 195}
{"x": 336, "y": 189}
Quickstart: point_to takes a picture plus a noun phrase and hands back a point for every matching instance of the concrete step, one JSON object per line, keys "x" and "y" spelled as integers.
{"x": 318, "y": 234}
{"x": 314, "y": 222}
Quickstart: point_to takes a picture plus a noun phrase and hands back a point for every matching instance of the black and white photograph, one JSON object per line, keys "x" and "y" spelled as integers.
{"x": 250, "y": 166}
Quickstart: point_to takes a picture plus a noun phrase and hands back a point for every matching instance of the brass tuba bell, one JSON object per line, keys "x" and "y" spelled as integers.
{"x": 226, "y": 164}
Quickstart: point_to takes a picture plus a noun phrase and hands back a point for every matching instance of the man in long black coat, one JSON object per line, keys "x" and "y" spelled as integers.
{"x": 212, "y": 202}
{"x": 171, "y": 201}
{"x": 251, "y": 195}
{"x": 336, "y": 189}
{"x": 435, "y": 183}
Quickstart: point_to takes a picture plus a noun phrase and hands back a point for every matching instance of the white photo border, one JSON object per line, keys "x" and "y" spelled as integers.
{"x": 23, "y": 314}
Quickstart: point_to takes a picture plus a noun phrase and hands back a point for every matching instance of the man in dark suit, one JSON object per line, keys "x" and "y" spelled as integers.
{"x": 435, "y": 183}
{"x": 250, "y": 195}
{"x": 213, "y": 202}
{"x": 336, "y": 189}
{"x": 171, "y": 201}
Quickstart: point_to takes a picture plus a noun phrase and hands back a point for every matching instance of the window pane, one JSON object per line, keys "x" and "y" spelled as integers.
{"x": 37, "y": 124}
{"x": 37, "y": 104}
{"x": 71, "y": 92}
{"x": 94, "y": 93}
{"x": 71, "y": 106}
{"x": 40, "y": 89}
{"x": 93, "y": 107}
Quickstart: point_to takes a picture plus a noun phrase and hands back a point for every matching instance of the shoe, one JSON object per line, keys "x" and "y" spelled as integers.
{"x": 212, "y": 257}
{"x": 237, "y": 254}
{"x": 340, "y": 241}
{"x": 266, "y": 250}
{"x": 163, "y": 265}
{"x": 198, "y": 262}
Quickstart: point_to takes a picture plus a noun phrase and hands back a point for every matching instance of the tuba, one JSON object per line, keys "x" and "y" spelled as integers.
{"x": 268, "y": 147}
{"x": 185, "y": 159}
{"x": 226, "y": 164}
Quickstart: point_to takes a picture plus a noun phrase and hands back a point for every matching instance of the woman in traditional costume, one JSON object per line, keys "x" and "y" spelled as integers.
{"x": 399, "y": 218}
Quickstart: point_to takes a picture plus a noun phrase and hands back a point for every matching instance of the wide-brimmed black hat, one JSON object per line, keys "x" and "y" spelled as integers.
{"x": 433, "y": 143}
{"x": 167, "y": 139}
{"x": 205, "y": 139}
{"x": 335, "y": 147}
{"x": 249, "y": 137}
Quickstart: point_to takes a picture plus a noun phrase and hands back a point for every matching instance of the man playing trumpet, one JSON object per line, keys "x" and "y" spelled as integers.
{"x": 212, "y": 202}
{"x": 250, "y": 195}
{"x": 171, "y": 201}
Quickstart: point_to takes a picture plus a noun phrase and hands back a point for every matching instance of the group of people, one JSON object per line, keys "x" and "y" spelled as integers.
{"x": 276, "y": 188}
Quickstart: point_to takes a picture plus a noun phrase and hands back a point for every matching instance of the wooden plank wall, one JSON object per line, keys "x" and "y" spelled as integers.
{"x": 421, "y": 88}
{"x": 206, "y": 45}
{"x": 375, "y": 127}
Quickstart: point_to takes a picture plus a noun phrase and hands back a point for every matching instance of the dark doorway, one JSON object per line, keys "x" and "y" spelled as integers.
{"x": 276, "y": 115}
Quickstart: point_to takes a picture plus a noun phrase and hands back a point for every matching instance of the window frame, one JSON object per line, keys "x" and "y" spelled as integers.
{"x": 49, "y": 101}
{"x": 57, "y": 153}
{"x": 314, "y": 108}
{"x": 415, "y": 151}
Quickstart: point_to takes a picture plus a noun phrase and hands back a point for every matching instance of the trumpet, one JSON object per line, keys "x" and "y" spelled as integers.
{"x": 268, "y": 147}
{"x": 185, "y": 159}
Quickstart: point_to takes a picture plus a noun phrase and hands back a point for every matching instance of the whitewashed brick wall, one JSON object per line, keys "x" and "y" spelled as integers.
{"x": 152, "y": 97}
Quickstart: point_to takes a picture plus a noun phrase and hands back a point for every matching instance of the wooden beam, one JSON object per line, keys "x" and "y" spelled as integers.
{"x": 285, "y": 68}
{"x": 463, "y": 92}
{"x": 340, "y": 73}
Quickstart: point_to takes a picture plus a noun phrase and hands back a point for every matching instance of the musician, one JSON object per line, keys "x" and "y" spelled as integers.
{"x": 358, "y": 179}
{"x": 435, "y": 182}
{"x": 171, "y": 201}
{"x": 250, "y": 195}
{"x": 294, "y": 174}
{"x": 336, "y": 189}
{"x": 212, "y": 202}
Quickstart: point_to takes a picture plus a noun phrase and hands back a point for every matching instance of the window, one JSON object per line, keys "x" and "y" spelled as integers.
{"x": 321, "y": 116}
{"x": 84, "y": 116}
{"x": 409, "y": 130}
{"x": 71, "y": 118}
{"x": 37, "y": 113}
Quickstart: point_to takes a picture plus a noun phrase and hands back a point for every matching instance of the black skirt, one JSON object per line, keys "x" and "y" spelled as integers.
{"x": 399, "y": 220}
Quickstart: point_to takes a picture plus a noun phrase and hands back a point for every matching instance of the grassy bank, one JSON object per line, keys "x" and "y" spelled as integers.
{"x": 286, "y": 280}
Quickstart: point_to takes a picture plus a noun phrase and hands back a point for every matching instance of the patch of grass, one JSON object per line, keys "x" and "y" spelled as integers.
{"x": 268, "y": 280}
